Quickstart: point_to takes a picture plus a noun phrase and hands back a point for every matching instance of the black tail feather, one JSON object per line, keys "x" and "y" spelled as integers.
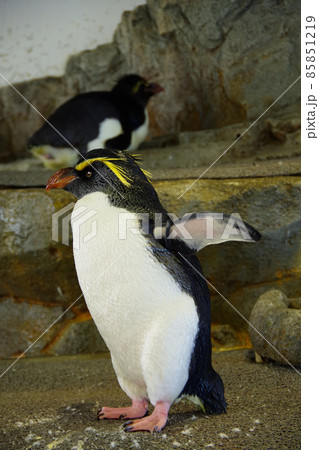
{"x": 210, "y": 390}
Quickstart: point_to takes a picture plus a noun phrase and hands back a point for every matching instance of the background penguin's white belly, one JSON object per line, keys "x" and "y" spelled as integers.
{"x": 137, "y": 306}
{"x": 108, "y": 129}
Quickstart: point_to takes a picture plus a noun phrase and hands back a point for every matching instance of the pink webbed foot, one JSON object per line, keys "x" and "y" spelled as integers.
{"x": 138, "y": 409}
{"x": 153, "y": 423}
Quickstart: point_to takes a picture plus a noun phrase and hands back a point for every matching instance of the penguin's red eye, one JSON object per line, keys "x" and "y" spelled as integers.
{"x": 88, "y": 173}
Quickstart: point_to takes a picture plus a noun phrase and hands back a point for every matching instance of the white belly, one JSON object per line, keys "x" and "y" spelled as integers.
{"x": 108, "y": 129}
{"x": 111, "y": 128}
{"x": 146, "y": 320}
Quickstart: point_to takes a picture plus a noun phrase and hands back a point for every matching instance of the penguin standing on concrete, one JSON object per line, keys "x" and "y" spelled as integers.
{"x": 144, "y": 286}
{"x": 91, "y": 120}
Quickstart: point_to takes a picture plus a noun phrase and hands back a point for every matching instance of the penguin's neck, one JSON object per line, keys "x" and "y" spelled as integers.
{"x": 97, "y": 222}
{"x": 102, "y": 233}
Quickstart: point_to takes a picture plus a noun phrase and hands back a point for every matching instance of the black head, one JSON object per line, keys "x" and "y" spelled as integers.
{"x": 136, "y": 87}
{"x": 116, "y": 173}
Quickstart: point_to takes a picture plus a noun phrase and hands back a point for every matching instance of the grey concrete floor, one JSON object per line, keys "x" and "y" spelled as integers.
{"x": 51, "y": 403}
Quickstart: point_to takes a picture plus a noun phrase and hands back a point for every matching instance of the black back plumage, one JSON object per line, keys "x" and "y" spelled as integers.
{"x": 78, "y": 119}
{"x": 89, "y": 108}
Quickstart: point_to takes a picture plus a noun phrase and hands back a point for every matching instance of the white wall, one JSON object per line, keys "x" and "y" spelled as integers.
{"x": 37, "y": 36}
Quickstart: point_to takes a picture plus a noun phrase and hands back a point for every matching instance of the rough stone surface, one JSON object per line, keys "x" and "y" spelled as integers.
{"x": 45, "y": 94}
{"x": 32, "y": 265}
{"x": 279, "y": 325}
{"x": 233, "y": 55}
{"x": 35, "y": 268}
{"x": 51, "y": 403}
{"x": 277, "y": 137}
{"x": 226, "y": 337}
{"x": 242, "y": 55}
{"x": 294, "y": 303}
{"x": 16, "y": 177}
{"x": 77, "y": 336}
{"x": 22, "y": 323}
{"x": 31, "y": 328}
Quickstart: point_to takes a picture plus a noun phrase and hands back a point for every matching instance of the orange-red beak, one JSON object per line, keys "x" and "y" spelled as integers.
{"x": 60, "y": 179}
{"x": 155, "y": 88}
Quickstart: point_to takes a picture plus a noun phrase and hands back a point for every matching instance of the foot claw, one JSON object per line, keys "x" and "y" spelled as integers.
{"x": 153, "y": 423}
{"x": 129, "y": 422}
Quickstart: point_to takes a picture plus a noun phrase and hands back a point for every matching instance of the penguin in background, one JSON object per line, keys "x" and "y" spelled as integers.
{"x": 144, "y": 288}
{"x": 91, "y": 120}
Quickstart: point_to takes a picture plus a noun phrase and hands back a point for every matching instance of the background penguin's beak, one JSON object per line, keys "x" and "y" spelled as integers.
{"x": 154, "y": 88}
{"x": 60, "y": 179}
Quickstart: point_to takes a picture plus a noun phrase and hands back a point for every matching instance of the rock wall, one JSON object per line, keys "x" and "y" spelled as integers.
{"x": 38, "y": 280}
{"x": 220, "y": 62}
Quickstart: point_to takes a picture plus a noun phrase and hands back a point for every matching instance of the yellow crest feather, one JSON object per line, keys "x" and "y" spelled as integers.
{"x": 139, "y": 162}
{"x": 116, "y": 169}
{"x": 147, "y": 174}
{"x": 137, "y": 86}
